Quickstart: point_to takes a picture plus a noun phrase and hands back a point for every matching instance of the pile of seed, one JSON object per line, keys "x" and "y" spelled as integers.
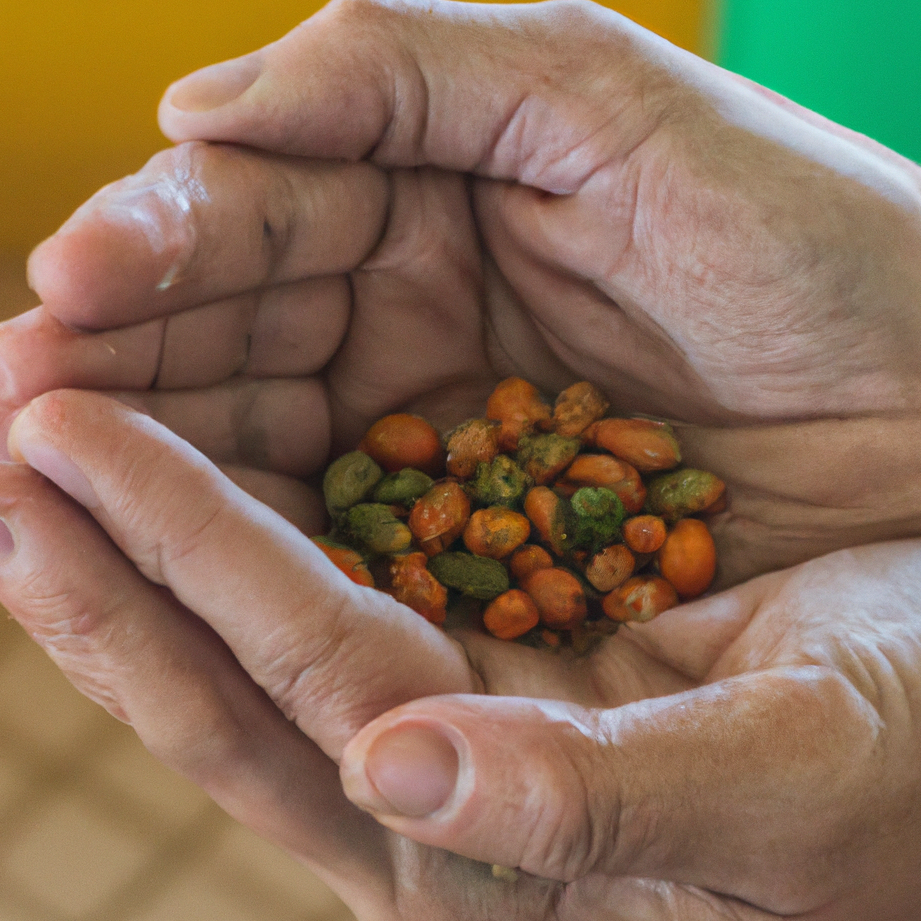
{"x": 546, "y": 523}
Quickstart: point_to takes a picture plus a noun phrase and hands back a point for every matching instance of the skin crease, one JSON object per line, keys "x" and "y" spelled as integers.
{"x": 685, "y": 240}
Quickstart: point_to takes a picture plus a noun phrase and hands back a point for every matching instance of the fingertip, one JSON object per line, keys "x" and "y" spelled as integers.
{"x": 11, "y": 442}
{"x": 409, "y": 770}
{"x": 90, "y": 272}
{"x": 488, "y": 778}
{"x": 187, "y": 104}
{"x": 27, "y": 443}
{"x": 45, "y": 270}
{"x": 21, "y": 426}
{"x": 215, "y": 86}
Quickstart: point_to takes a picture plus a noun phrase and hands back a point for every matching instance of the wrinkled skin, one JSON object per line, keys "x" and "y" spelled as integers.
{"x": 607, "y": 209}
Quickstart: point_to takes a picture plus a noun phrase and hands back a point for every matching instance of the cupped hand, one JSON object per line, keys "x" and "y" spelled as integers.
{"x": 753, "y": 755}
{"x": 397, "y": 205}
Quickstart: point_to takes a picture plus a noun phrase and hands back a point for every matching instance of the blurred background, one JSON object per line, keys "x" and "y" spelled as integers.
{"x": 92, "y": 828}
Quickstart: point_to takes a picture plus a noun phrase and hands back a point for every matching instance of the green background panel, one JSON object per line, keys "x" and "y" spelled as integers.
{"x": 854, "y": 61}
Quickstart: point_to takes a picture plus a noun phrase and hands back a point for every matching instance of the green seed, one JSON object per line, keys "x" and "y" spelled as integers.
{"x": 474, "y": 576}
{"x": 544, "y": 457}
{"x": 375, "y": 528}
{"x": 599, "y": 515}
{"x": 402, "y": 488}
{"x": 684, "y": 492}
{"x": 349, "y": 480}
{"x": 500, "y": 482}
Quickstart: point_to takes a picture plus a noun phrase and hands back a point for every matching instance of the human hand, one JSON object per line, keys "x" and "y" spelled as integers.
{"x": 753, "y": 755}
{"x": 547, "y": 191}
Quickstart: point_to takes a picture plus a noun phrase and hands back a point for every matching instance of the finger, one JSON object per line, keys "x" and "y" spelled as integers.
{"x": 598, "y": 89}
{"x": 291, "y": 498}
{"x": 281, "y": 425}
{"x": 203, "y": 222}
{"x": 38, "y": 353}
{"x": 735, "y": 788}
{"x": 293, "y": 621}
{"x": 289, "y": 330}
{"x": 447, "y": 84}
{"x": 276, "y": 425}
{"x": 285, "y": 330}
{"x": 130, "y": 646}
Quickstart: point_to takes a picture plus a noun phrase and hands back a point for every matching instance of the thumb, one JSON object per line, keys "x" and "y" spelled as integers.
{"x": 695, "y": 789}
{"x": 524, "y": 92}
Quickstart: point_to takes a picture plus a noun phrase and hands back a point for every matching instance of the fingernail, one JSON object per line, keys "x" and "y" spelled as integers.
{"x": 215, "y": 86}
{"x": 7, "y": 542}
{"x": 59, "y": 468}
{"x": 413, "y": 771}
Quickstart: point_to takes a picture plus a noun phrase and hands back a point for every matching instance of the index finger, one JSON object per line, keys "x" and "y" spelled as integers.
{"x": 202, "y": 222}
{"x": 331, "y": 654}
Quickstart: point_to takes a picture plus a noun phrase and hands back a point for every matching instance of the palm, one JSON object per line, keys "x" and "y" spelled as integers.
{"x": 723, "y": 663}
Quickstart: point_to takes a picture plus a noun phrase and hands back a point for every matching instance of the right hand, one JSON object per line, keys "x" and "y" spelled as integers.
{"x": 752, "y": 755}
{"x": 431, "y": 198}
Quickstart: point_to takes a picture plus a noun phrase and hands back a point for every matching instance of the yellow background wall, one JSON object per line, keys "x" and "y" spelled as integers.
{"x": 80, "y": 81}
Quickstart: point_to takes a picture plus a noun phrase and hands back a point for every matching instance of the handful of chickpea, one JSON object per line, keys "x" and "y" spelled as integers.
{"x": 548, "y": 524}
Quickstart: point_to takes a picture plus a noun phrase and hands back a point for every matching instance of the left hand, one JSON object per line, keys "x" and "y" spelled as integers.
{"x": 751, "y": 755}
{"x": 694, "y": 245}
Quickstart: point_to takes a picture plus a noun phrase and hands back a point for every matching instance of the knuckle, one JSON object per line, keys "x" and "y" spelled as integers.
{"x": 310, "y": 673}
{"x": 573, "y": 828}
{"x": 283, "y": 206}
{"x": 363, "y": 10}
{"x": 52, "y": 610}
{"x": 176, "y": 547}
{"x": 160, "y": 515}
{"x": 174, "y": 185}
{"x": 76, "y": 633}
{"x": 297, "y": 676}
{"x": 185, "y": 160}
{"x": 577, "y": 15}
